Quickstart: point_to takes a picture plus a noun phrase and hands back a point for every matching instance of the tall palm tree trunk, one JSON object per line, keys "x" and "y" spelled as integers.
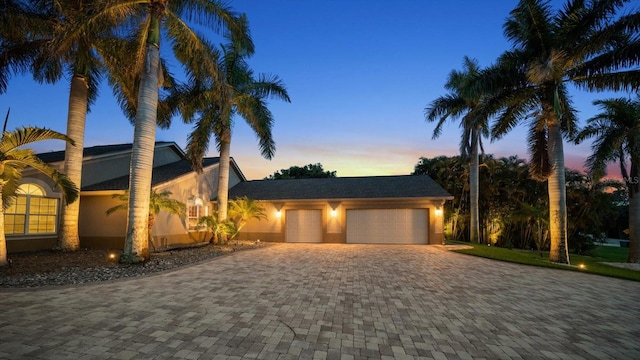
{"x": 473, "y": 189}
{"x": 634, "y": 213}
{"x": 634, "y": 229}
{"x": 3, "y": 238}
{"x": 69, "y": 238}
{"x": 223, "y": 178}
{"x": 136, "y": 247}
{"x": 559, "y": 251}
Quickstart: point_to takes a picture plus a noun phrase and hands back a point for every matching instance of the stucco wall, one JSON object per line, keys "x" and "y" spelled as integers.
{"x": 334, "y": 223}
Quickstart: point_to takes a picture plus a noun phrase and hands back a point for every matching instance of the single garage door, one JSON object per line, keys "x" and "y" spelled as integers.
{"x": 387, "y": 226}
{"x": 304, "y": 226}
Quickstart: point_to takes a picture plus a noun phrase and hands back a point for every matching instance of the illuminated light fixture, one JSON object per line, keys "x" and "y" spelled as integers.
{"x": 113, "y": 256}
{"x": 334, "y": 208}
{"x": 278, "y": 207}
{"x": 438, "y": 211}
{"x": 582, "y": 266}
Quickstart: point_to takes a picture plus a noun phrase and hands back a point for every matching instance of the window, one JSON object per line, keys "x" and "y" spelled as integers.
{"x": 195, "y": 210}
{"x": 31, "y": 212}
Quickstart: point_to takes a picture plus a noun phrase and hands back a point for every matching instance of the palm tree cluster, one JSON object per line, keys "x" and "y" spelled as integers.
{"x": 120, "y": 41}
{"x": 513, "y": 211}
{"x": 590, "y": 45}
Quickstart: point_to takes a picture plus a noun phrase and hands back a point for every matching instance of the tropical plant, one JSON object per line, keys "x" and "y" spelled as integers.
{"x": 158, "y": 201}
{"x": 241, "y": 210}
{"x": 466, "y": 105}
{"x": 617, "y": 139}
{"x": 452, "y": 173}
{"x": 535, "y": 220}
{"x": 14, "y": 159}
{"x": 587, "y": 44}
{"x": 309, "y": 171}
{"x": 215, "y": 107}
{"x": 172, "y": 19}
{"x": 211, "y": 223}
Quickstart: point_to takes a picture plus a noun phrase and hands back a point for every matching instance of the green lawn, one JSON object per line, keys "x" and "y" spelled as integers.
{"x": 586, "y": 264}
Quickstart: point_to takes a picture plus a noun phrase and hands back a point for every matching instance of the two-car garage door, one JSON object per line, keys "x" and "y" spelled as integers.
{"x": 387, "y": 226}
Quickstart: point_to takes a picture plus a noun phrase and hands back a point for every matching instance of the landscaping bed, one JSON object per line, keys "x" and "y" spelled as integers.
{"x": 44, "y": 268}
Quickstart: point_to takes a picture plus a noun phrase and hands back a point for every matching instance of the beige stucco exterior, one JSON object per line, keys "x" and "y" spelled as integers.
{"x": 97, "y": 230}
{"x": 273, "y": 229}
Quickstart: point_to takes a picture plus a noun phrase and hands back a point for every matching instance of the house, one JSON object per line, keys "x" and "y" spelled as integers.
{"x": 32, "y": 222}
{"x": 375, "y": 209}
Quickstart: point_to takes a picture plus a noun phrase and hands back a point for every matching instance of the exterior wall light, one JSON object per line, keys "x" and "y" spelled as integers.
{"x": 334, "y": 213}
{"x": 438, "y": 211}
{"x": 278, "y": 207}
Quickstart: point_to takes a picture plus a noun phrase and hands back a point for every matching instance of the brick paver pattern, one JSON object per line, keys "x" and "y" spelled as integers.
{"x": 297, "y": 301}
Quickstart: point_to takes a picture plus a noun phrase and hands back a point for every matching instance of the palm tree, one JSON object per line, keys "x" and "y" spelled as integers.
{"x": 461, "y": 103}
{"x": 170, "y": 19}
{"x": 242, "y": 94}
{"x": 579, "y": 44}
{"x": 14, "y": 159}
{"x": 617, "y": 132}
{"x": 52, "y": 43}
{"x": 157, "y": 202}
{"x": 241, "y": 210}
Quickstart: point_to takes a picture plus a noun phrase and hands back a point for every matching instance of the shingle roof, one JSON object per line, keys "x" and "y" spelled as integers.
{"x": 160, "y": 175}
{"x": 55, "y": 156}
{"x": 370, "y": 187}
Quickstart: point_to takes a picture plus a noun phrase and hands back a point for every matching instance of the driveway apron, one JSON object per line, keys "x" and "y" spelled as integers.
{"x": 303, "y": 301}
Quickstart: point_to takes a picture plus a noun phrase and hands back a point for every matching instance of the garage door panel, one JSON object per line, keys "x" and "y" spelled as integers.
{"x": 304, "y": 226}
{"x": 387, "y": 226}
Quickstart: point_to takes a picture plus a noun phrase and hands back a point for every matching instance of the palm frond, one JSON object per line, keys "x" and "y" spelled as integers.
{"x": 27, "y": 135}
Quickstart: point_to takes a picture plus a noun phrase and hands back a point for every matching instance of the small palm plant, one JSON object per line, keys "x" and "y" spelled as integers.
{"x": 241, "y": 210}
{"x": 157, "y": 202}
{"x": 14, "y": 159}
{"x": 216, "y": 227}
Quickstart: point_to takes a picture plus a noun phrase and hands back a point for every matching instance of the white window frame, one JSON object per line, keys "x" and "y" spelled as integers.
{"x": 197, "y": 207}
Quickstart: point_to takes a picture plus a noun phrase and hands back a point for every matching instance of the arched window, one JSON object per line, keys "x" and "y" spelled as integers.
{"x": 195, "y": 210}
{"x": 31, "y": 212}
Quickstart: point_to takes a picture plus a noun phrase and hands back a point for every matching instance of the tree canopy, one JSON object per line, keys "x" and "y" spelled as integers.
{"x": 305, "y": 172}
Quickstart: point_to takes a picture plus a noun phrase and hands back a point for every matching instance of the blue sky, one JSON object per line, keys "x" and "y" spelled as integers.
{"x": 359, "y": 74}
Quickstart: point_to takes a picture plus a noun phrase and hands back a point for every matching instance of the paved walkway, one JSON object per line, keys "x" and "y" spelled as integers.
{"x": 331, "y": 302}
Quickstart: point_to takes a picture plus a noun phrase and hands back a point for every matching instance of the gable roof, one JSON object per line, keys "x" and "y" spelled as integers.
{"x": 99, "y": 150}
{"x": 160, "y": 175}
{"x": 369, "y": 187}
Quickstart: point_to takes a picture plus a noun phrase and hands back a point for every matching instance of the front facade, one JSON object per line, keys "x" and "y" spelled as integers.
{"x": 352, "y": 210}
{"x": 355, "y": 210}
{"x": 32, "y": 222}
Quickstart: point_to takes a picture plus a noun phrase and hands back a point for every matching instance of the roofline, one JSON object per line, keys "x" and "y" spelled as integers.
{"x": 100, "y": 192}
{"x": 166, "y": 182}
{"x": 158, "y": 144}
{"x": 368, "y": 199}
{"x": 242, "y": 177}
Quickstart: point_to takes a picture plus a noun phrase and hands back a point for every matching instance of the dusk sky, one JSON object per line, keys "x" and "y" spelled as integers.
{"x": 359, "y": 74}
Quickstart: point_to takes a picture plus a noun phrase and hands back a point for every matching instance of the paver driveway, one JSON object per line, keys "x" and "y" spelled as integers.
{"x": 331, "y": 301}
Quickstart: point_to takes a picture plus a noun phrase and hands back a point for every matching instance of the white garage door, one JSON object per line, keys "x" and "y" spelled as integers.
{"x": 304, "y": 226}
{"x": 387, "y": 226}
